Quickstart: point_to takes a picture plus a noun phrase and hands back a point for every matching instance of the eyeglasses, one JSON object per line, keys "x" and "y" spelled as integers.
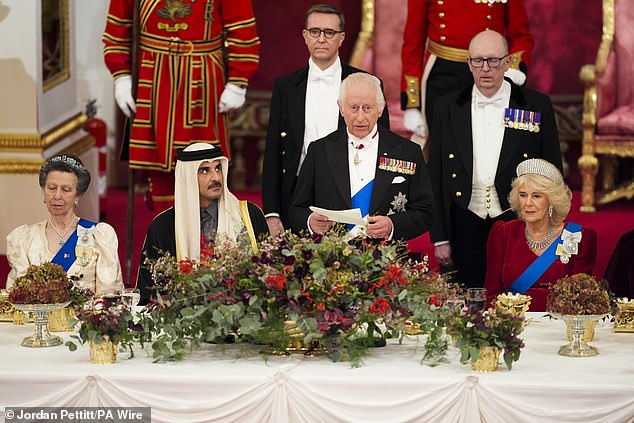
{"x": 328, "y": 33}
{"x": 493, "y": 62}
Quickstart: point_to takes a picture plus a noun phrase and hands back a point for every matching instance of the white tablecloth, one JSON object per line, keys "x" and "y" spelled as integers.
{"x": 392, "y": 386}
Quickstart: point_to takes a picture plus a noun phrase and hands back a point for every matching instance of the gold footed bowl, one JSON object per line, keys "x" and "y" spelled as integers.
{"x": 488, "y": 360}
{"x": 104, "y": 352}
{"x": 624, "y": 318}
{"x": 578, "y": 347}
{"x": 513, "y": 303}
{"x": 41, "y": 337}
{"x": 59, "y": 319}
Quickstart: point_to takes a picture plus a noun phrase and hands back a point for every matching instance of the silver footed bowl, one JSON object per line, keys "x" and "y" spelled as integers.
{"x": 41, "y": 337}
{"x": 577, "y": 347}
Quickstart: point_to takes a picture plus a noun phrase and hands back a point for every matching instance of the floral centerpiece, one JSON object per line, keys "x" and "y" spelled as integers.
{"x": 45, "y": 283}
{"x": 340, "y": 293}
{"x": 578, "y": 294}
{"x": 580, "y": 300}
{"x": 105, "y": 322}
{"x": 42, "y": 290}
{"x": 490, "y": 328}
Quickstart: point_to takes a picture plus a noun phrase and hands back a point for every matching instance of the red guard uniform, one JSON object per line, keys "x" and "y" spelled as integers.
{"x": 182, "y": 70}
{"x": 444, "y": 28}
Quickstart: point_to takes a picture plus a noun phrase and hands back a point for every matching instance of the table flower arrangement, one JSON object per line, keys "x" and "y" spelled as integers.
{"x": 341, "y": 293}
{"x": 44, "y": 289}
{"x": 579, "y": 294}
{"x": 488, "y": 328}
{"x": 45, "y": 283}
{"x": 580, "y": 300}
{"x": 105, "y": 321}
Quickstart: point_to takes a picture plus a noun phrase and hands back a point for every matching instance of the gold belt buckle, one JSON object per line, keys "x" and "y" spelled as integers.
{"x": 178, "y": 46}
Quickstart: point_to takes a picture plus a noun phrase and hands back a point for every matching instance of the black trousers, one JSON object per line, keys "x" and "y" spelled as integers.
{"x": 445, "y": 77}
{"x": 469, "y": 245}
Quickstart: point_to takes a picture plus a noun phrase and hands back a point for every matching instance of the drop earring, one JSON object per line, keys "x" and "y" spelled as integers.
{"x": 550, "y": 211}
{"x": 76, "y": 203}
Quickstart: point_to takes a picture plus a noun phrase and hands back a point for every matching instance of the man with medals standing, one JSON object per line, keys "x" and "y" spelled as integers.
{"x": 479, "y": 136}
{"x": 195, "y": 58}
{"x": 303, "y": 109}
{"x": 364, "y": 166}
{"x": 435, "y": 41}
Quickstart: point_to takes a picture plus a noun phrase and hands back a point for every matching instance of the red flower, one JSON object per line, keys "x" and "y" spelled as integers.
{"x": 380, "y": 306}
{"x": 277, "y": 281}
{"x": 321, "y": 307}
{"x": 185, "y": 266}
{"x": 306, "y": 294}
{"x": 434, "y": 300}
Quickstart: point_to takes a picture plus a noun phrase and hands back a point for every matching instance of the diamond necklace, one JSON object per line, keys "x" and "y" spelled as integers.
{"x": 535, "y": 245}
{"x": 61, "y": 236}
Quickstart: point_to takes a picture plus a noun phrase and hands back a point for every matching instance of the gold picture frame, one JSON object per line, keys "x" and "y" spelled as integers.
{"x": 55, "y": 43}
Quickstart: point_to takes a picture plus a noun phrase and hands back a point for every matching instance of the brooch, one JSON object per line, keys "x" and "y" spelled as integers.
{"x": 85, "y": 242}
{"x": 396, "y": 165}
{"x": 569, "y": 245}
{"x": 399, "y": 203}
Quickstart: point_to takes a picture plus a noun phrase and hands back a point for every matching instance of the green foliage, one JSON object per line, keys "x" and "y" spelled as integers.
{"x": 103, "y": 320}
{"x": 340, "y": 293}
{"x": 494, "y": 328}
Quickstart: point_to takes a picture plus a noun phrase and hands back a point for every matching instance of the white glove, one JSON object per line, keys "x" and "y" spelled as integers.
{"x": 123, "y": 95}
{"x": 233, "y": 97}
{"x": 517, "y": 76}
{"x": 413, "y": 121}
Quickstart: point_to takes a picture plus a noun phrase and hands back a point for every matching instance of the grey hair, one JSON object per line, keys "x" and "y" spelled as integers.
{"x": 68, "y": 163}
{"x": 362, "y": 78}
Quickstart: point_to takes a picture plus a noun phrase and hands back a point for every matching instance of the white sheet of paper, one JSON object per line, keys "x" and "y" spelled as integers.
{"x": 352, "y": 216}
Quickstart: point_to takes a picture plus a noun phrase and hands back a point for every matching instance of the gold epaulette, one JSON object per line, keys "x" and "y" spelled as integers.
{"x": 516, "y": 59}
{"x": 413, "y": 91}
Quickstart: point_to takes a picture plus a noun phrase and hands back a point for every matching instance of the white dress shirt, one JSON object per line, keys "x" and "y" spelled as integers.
{"x": 364, "y": 171}
{"x": 487, "y": 116}
{"x": 321, "y": 111}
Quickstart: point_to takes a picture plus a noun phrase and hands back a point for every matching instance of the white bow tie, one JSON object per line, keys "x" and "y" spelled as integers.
{"x": 327, "y": 78}
{"x": 482, "y": 101}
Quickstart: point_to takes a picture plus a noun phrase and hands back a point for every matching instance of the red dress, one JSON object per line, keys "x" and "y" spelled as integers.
{"x": 508, "y": 256}
{"x": 184, "y": 63}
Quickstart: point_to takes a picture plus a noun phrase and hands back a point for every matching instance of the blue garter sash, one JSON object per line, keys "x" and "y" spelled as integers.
{"x": 66, "y": 256}
{"x": 361, "y": 200}
{"x": 541, "y": 263}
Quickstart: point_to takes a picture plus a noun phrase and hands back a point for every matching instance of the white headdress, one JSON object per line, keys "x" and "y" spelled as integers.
{"x": 187, "y": 200}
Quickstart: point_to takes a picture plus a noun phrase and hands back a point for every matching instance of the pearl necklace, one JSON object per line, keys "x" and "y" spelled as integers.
{"x": 62, "y": 235}
{"x": 540, "y": 245}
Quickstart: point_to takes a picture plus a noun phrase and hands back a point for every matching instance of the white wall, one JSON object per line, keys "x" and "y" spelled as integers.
{"x": 93, "y": 78}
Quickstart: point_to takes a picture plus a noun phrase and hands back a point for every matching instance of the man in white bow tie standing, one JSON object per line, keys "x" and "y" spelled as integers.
{"x": 303, "y": 109}
{"x": 365, "y": 166}
{"x": 479, "y": 136}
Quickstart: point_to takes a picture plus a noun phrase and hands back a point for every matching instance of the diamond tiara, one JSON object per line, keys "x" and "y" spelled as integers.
{"x": 69, "y": 161}
{"x": 540, "y": 167}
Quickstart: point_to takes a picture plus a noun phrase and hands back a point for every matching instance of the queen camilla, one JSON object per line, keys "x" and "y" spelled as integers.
{"x": 84, "y": 249}
{"x": 529, "y": 255}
